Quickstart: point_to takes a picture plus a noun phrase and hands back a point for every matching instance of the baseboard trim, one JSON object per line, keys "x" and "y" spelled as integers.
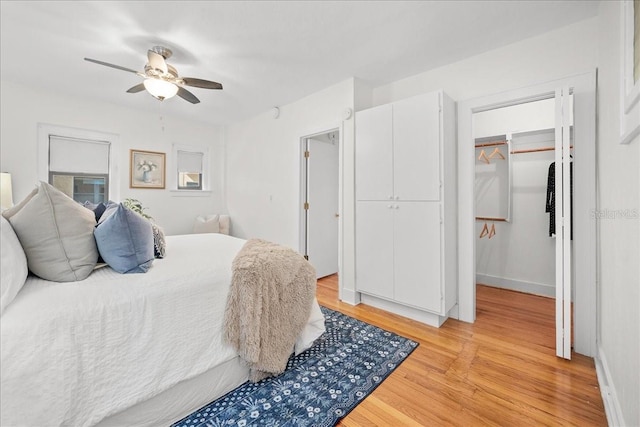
{"x": 425, "y": 317}
{"x": 517, "y": 285}
{"x": 609, "y": 396}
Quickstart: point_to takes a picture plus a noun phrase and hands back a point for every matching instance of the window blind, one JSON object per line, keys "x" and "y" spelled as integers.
{"x": 189, "y": 161}
{"x": 78, "y": 155}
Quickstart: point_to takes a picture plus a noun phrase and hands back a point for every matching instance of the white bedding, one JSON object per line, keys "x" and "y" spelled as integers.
{"x": 75, "y": 353}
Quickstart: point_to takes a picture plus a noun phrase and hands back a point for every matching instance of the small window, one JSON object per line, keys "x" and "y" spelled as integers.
{"x": 79, "y": 168}
{"x": 190, "y": 170}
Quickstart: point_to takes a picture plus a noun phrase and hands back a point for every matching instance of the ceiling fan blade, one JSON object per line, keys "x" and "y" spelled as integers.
{"x": 106, "y": 64}
{"x": 185, "y": 94}
{"x": 204, "y": 84}
{"x": 137, "y": 88}
{"x": 157, "y": 61}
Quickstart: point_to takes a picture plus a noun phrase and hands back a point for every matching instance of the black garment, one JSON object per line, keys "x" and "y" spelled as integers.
{"x": 551, "y": 198}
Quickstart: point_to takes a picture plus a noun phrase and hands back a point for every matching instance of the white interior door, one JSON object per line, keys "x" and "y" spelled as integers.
{"x": 322, "y": 213}
{"x": 563, "y": 223}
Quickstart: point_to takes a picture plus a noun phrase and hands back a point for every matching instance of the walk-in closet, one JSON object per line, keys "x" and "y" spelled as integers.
{"x": 515, "y": 197}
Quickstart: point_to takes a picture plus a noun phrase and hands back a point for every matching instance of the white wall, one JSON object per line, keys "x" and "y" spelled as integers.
{"x": 263, "y": 169}
{"x": 24, "y": 107}
{"x": 618, "y": 231}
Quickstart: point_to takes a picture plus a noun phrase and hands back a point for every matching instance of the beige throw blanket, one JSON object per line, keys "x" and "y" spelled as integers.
{"x": 269, "y": 303}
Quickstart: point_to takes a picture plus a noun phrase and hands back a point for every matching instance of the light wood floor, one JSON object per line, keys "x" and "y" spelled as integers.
{"x": 501, "y": 370}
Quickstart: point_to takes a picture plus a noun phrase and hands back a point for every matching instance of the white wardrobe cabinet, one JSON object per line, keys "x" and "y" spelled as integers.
{"x": 398, "y": 150}
{"x": 405, "y": 207}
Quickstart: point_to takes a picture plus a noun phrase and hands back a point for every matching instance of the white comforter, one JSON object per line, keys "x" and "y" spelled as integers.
{"x": 74, "y": 353}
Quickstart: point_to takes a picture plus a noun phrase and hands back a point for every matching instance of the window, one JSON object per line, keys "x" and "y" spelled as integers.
{"x": 81, "y": 188}
{"x": 78, "y": 162}
{"x": 79, "y": 168}
{"x": 189, "y": 170}
{"x": 189, "y": 174}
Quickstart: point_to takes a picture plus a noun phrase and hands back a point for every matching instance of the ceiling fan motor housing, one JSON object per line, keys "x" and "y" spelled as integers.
{"x": 164, "y": 51}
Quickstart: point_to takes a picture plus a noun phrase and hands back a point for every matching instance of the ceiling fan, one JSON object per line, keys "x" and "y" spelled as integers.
{"x": 161, "y": 80}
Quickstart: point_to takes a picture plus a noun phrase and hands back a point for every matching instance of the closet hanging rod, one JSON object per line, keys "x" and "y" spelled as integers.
{"x": 490, "y": 218}
{"x": 535, "y": 150}
{"x": 491, "y": 144}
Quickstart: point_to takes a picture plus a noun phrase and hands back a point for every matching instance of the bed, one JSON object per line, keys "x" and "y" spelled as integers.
{"x": 126, "y": 349}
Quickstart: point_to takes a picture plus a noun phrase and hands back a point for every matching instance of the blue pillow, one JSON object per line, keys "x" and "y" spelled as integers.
{"x": 125, "y": 240}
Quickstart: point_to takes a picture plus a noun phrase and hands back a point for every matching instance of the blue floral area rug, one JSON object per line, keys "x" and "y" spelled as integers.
{"x": 319, "y": 386}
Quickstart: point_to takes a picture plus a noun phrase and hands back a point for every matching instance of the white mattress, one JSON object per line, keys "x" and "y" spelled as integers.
{"x": 76, "y": 353}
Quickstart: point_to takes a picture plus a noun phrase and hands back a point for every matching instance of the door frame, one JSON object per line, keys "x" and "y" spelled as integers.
{"x": 585, "y": 310}
{"x": 302, "y": 217}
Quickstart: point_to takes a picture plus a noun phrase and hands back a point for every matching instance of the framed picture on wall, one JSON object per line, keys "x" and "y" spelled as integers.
{"x": 630, "y": 71}
{"x": 147, "y": 169}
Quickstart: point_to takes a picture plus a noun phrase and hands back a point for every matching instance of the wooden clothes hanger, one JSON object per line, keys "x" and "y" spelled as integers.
{"x": 483, "y": 157}
{"x": 485, "y": 230}
{"x": 496, "y": 153}
{"x": 493, "y": 231}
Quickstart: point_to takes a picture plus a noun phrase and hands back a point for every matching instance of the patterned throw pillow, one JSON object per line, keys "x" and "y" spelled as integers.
{"x": 159, "y": 243}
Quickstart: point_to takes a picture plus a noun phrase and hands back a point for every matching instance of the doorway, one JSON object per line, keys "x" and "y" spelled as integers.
{"x": 515, "y": 205}
{"x": 583, "y": 272}
{"x": 321, "y": 210}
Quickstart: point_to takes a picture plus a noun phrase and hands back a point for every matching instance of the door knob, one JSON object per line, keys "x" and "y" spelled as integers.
{"x": 337, "y": 215}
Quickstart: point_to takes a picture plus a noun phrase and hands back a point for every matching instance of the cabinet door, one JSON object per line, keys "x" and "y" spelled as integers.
{"x": 417, "y": 255}
{"x": 374, "y": 174}
{"x": 416, "y": 148}
{"x": 374, "y": 248}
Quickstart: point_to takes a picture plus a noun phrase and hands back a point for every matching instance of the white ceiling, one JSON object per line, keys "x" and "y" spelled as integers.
{"x": 264, "y": 53}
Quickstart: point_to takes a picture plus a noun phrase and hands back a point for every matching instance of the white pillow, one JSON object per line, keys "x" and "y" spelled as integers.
{"x": 56, "y": 234}
{"x": 13, "y": 264}
{"x": 224, "y": 224}
{"x": 207, "y": 224}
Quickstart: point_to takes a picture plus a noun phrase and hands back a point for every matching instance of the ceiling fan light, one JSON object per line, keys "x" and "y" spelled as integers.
{"x": 160, "y": 89}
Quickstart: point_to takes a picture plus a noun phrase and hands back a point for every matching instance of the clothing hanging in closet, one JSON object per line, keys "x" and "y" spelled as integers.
{"x": 551, "y": 198}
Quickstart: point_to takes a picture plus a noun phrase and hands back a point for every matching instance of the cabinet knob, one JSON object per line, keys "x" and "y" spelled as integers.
{"x": 397, "y": 197}
{"x": 390, "y": 197}
{"x": 397, "y": 207}
{"x": 390, "y": 206}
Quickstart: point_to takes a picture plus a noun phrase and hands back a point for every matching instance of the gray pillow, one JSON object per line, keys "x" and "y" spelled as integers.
{"x": 56, "y": 234}
{"x": 125, "y": 240}
{"x": 97, "y": 208}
